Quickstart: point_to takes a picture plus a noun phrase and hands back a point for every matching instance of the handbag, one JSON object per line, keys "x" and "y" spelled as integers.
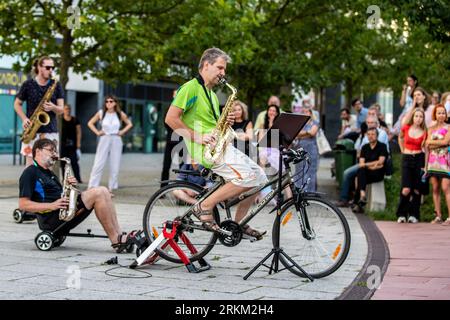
{"x": 322, "y": 143}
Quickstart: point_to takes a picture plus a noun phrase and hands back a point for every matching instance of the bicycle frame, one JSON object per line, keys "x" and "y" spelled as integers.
{"x": 287, "y": 181}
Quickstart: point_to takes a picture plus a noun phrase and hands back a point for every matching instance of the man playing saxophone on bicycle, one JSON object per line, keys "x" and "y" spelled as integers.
{"x": 31, "y": 92}
{"x": 194, "y": 113}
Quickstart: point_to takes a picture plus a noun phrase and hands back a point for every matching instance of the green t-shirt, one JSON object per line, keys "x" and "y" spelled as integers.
{"x": 197, "y": 114}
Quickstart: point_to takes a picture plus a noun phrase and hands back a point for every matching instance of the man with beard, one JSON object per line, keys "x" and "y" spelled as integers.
{"x": 40, "y": 192}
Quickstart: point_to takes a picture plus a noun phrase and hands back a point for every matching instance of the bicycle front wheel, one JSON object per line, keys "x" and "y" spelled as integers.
{"x": 171, "y": 203}
{"x": 326, "y": 244}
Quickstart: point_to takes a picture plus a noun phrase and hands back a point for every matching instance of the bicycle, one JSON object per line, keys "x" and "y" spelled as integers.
{"x": 318, "y": 253}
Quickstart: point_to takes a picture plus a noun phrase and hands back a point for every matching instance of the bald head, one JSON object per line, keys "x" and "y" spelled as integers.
{"x": 372, "y": 122}
{"x": 274, "y": 100}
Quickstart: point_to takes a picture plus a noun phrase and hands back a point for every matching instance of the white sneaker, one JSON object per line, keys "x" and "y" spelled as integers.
{"x": 412, "y": 219}
{"x": 401, "y": 220}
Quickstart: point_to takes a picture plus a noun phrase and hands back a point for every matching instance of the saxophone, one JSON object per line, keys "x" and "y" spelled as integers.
{"x": 223, "y": 133}
{"x": 70, "y": 192}
{"x": 39, "y": 117}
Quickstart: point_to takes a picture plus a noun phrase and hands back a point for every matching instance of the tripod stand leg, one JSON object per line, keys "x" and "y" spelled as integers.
{"x": 294, "y": 264}
{"x": 274, "y": 264}
{"x": 260, "y": 264}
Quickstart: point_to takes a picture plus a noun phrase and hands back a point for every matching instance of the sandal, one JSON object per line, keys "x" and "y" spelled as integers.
{"x": 209, "y": 223}
{"x": 446, "y": 222}
{"x": 128, "y": 245}
{"x": 437, "y": 220}
{"x": 252, "y": 232}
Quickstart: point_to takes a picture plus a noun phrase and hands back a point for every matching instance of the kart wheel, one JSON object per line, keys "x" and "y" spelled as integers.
{"x": 18, "y": 216}
{"x": 44, "y": 241}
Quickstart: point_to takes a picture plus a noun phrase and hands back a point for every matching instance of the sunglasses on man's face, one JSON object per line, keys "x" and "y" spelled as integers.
{"x": 49, "y": 67}
{"x": 110, "y": 101}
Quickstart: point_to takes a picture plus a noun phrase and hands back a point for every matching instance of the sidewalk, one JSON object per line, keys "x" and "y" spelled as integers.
{"x": 27, "y": 273}
{"x": 419, "y": 265}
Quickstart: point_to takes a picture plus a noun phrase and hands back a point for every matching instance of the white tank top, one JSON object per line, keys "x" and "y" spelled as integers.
{"x": 110, "y": 123}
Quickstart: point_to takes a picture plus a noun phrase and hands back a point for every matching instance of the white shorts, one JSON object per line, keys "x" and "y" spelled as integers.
{"x": 27, "y": 148}
{"x": 239, "y": 169}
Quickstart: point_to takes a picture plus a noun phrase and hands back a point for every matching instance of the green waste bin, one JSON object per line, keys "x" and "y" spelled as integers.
{"x": 344, "y": 157}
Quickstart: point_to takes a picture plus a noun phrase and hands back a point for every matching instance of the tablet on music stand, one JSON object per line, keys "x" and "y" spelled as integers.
{"x": 288, "y": 126}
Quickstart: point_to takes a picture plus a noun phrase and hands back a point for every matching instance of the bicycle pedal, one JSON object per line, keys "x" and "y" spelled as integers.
{"x": 247, "y": 237}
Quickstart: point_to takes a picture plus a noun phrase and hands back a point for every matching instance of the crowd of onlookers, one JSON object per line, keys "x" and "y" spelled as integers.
{"x": 421, "y": 132}
{"x": 423, "y": 135}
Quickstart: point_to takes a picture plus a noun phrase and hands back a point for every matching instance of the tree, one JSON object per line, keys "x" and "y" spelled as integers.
{"x": 112, "y": 39}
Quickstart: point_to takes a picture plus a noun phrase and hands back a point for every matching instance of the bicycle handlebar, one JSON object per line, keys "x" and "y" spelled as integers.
{"x": 296, "y": 155}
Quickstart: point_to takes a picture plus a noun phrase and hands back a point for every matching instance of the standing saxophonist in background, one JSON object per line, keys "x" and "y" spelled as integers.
{"x": 32, "y": 92}
{"x": 194, "y": 114}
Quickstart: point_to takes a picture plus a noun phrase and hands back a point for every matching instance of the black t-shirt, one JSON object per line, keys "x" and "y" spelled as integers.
{"x": 69, "y": 133}
{"x": 374, "y": 154}
{"x": 241, "y": 127}
{"x": 40, "y": 185}
{"x": 31, "y": 93}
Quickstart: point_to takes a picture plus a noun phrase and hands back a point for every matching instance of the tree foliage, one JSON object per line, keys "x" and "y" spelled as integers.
{"x": 273, "y": 44}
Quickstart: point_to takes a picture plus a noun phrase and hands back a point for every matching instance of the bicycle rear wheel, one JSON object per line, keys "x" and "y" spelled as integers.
{"x": 329, "y": 244}
{"x": 171, "y": 203}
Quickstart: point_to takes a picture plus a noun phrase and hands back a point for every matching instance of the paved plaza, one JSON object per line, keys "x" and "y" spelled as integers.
{"x": 26, "y": 272}
{"x": 415, "y": 256}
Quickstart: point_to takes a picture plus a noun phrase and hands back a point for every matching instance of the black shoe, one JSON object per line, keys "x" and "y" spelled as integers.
{"x": 362, "y": 202}
{"x": 357, "y": 209}
{"x": 342, "y": 203}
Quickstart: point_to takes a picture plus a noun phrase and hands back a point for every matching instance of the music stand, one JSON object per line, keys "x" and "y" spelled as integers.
{"x": 286, "y": 126}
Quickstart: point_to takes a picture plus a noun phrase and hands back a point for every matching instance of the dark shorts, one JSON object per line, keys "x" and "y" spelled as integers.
{"x": 50, "y": 221}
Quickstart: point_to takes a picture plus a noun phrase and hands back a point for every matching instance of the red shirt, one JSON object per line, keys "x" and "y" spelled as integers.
{"x": 413, "y": 144}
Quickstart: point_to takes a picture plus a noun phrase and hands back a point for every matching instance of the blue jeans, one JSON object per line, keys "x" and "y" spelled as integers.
{"x": 349, "y": 176}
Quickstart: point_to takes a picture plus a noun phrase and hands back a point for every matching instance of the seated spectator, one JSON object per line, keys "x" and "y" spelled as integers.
{"x": 371, "y": 168}
{"x": 348, "y": 125}
{"x": 351, "y": 172}
{"x": 372, "y": 122}
{"x": 380, "y": 114}
{"x": 374, "y": 111}
{"x": 361, "y": 112}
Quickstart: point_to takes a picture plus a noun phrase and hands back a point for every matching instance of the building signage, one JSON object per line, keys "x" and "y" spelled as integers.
{"x": 11, "y": 80}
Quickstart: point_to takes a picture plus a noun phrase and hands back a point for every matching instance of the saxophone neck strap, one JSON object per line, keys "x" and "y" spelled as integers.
{"x": 202, "y": 83}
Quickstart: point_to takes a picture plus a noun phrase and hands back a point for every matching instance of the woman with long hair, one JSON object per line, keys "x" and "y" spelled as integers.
{"x": 411, "y": 141}
{"x": 110, "y": 142}
{"x": 438, "y": 167}
{"x": 421, "y": 99}
{"x": 406, "y": 101}
{"x": 269, "y": 156}
{"x": 243, "y": 127}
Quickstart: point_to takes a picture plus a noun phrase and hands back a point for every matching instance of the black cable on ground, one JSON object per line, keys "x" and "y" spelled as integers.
{"x": 115, "y": 261}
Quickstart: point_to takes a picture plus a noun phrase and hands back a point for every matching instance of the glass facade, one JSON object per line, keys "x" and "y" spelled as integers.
{"x": 10, "y": 82}
{"x": 146, "y": 105}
